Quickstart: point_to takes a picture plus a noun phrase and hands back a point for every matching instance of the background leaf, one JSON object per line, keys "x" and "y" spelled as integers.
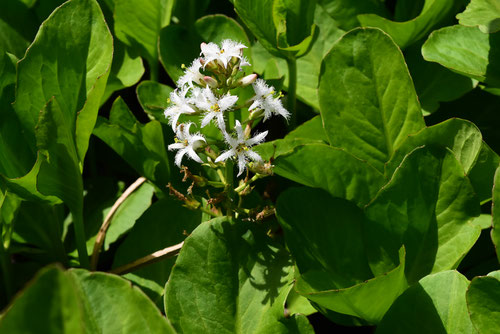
{"x": 482, "y": 13}
{"x": 483, "y": 298}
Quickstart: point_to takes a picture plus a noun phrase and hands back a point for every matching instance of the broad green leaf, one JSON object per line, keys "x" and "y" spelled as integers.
{"x": 482, "y": 13}
{"x": 345, "y": 11}
{"x": 142, "y": 146}
{"x": 434, "y": 83}
{"x": 153, "y": 97}
{"x": 164, "y": 224}
{"x": 296, "y": 303}
{"x": 230, "y": 277}
{"x": 433, "y": 13}
{"x": 325, "y": 236}
{"x": 436, "y": 304}
{"x": 465, "y": 50}
{"x": 483, "y": 301}
{"x": 312, "y": 129}
{"x": 462, "y": 137}
{"x": 367, "y": 99}
{"x": 72, "y": 53}
{"x": 138, "y": 24}
{"x": 495, "y": 212}
{"x": 332, "y": 169}
{"x": 78, "y": 301}
{"x": 18, "y": 25}
{"x": 211, "y": 28}
{"x": 126, "y": 70}
{"x": 188, "y": 11}
{"x": 18, "y": 155}
{"x": 427, "y": 206}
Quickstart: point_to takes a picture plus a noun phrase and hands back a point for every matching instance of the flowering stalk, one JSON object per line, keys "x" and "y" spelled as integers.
{"x": 209, "y": 90}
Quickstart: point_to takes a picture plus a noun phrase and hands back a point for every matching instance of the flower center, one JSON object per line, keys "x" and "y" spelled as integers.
{"x": 222, "y": 51}
{"x": 215, "y": 107}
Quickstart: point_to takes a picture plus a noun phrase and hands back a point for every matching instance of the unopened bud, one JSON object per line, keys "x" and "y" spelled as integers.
{"x": 249, "y": 79}
{"x": 255, "y": 114}
{"x": 210, "y": 81}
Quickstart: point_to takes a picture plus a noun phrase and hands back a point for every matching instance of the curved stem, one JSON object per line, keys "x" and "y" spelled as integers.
{"x": 148, "y": 259}
{"x": 99, "y": 240}
{"x": 292, "y": 91}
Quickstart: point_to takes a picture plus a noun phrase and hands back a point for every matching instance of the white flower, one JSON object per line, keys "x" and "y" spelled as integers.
{"x": 224, "y": 54}
{"x": 181, "y": 105}
{"x": 192, "y": 74}
{"x": 244, "y": 62}
{"x": 186, "y": 143}
{"x": 214, "y": 106}
{"x": 265, "y": 100}
{"x": 240, "y": 148}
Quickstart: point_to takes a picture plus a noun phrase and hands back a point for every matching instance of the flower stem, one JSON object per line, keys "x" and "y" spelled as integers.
{"x": 230, "y": 185}
{"x": 292, "y": 91}
{"x": 153, "y": 70}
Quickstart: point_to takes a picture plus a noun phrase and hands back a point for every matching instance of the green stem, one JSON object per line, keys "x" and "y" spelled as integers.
{"x": 153, "y": 70}
{"x": 81, "y": 244}
{"x": 6, "y": 269}
{"x": 292, "y": 91}
{"x": 230, "y": 185}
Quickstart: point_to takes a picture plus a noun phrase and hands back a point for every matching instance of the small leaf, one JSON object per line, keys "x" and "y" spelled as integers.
{"x": 153, "y": 97}
{"x": 436, "y": 304}
{"x": 483, "y": 300}
{"x": 345, "y": 11}
{"x": 367, "y": 100}
{"x": 482, "y": 13}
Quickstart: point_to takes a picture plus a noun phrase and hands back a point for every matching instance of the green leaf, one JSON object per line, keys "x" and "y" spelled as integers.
{"x": 138, "y": 24}
{"x": 367, "y": 99}
{"x": 434, "y": 83}
{"x": 427, "y": 206}
{"x": 345, "y": 11}
{"x": 462, "y": 137}
{"x": 18, "y": 25}
{"x": 231, "y": 277}
{"x": 482, "y": 13}
{"x": 153, "y": 97}
{"x": 164, "y": 224}
{"x": 325, "y": 236}
{"x": 9, "y": 207}
{"x": 211, "y": 28}
{"x": 18, "y": 155}
{"x": 78, "y": 301}
{"x": 433, "y": 13}
{"x": 142, "y": 146}
{"x": 436, "y": 304}
{"x": 311, "y": 129}
{"x": 495, "y": 212}
{"x": 483, "y": 221}
{"x": 126, "y": 70}
{"x": 483, "y": 300}
{"x": 465, "y": 50}
{"x": 332, "y": 169}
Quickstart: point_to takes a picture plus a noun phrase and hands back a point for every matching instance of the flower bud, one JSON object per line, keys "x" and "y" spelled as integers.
{"x": 257, "y": 113}
{"x": 245, "y": 81}
{"x": 210, "y": 81}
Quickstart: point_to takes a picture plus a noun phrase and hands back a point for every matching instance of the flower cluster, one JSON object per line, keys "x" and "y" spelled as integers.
{"x": 205, "y": 90}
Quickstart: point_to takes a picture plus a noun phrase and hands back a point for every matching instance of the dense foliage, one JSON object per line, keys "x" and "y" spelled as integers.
{"x": 137, "y": 196}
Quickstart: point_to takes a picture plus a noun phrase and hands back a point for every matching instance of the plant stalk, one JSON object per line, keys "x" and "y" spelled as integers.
{"x": 230, "y": 186}
{"x": 292, "y": 92}
{"x": 81, "y": 243}
{"x": 6, "y": 269}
